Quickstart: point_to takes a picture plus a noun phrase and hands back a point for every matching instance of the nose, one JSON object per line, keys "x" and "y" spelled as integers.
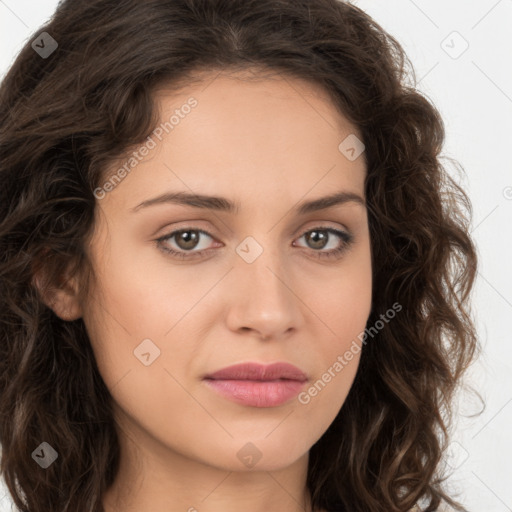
{"x": 262, "y": 298}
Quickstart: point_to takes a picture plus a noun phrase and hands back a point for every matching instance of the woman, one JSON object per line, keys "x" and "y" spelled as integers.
{"x": 234, "y": 273}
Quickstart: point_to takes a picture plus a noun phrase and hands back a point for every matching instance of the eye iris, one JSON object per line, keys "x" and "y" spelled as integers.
{"x": 317, "y": 236}
{"x": 190, "y": 238}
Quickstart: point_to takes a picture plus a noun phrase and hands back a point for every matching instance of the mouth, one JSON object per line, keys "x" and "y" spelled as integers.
{"x": 258, "y": 385}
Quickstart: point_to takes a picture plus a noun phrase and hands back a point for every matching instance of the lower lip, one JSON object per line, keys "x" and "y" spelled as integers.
{"x": 257, "y": 393}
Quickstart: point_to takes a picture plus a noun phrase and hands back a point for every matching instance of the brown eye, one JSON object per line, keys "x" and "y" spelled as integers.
{"x": 318, "y": 238}
{"x": 186, "y": 240}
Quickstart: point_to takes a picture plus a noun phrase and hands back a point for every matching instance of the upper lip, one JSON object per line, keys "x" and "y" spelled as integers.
{"x": 257, "y": 371}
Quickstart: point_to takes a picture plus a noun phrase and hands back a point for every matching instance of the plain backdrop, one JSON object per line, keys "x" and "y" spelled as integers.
{"x": 462, "y": 55}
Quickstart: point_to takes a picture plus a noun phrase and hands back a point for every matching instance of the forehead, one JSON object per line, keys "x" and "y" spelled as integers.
{"x": 246, "y": 136}
{"x": 254, "y": 87}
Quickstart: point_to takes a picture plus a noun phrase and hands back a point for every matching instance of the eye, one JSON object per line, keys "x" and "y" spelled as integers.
{"x": 319, "y": 237}
{"x": 188, "y": 239}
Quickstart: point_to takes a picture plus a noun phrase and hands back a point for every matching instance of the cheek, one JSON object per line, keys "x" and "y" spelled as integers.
{"x": 343, "y": 303}
{"x": 123, "y": 311}
{"x": 137, "y": 292}
{"x": 338, "y": 355}
{"x": 134, "y": 302}
{"x": 343, "y": 317}
{"x": 341, "y": 310}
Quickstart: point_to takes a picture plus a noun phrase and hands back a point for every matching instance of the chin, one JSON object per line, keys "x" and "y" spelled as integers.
{"x": 264, "y": 454}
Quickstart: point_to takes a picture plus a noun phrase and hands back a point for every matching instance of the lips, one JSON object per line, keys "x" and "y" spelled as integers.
{"x": 259, "y": 372}
{"x": 257, "y": 385}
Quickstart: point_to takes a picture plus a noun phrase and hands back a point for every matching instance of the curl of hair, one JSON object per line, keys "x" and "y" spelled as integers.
{"x": 64, "y": 118}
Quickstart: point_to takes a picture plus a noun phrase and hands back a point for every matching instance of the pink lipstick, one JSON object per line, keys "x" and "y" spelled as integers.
{"x": 258, "y": 385}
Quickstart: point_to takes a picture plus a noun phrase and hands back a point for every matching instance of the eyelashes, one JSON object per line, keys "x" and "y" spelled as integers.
{"x": 325, "y": 234}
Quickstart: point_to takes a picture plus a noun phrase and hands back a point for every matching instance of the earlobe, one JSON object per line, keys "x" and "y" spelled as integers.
{"x": 65, "y": 304}
{"x": 64, "y": 300}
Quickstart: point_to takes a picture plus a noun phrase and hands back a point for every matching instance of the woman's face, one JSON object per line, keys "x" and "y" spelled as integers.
{"x": 249, "y": 284}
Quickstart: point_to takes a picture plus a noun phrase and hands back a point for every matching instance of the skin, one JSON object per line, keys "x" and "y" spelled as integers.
{"x": 268, "y": 144}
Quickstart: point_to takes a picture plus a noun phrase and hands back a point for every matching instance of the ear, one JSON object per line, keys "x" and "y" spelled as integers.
{"x": 62, "y": 298}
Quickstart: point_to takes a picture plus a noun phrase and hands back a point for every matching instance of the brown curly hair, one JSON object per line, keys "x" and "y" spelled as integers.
{"x": 65, "y": 117}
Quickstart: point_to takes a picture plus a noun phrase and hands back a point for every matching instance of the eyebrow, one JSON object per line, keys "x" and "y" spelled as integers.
{"x": 225, "y": 205}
